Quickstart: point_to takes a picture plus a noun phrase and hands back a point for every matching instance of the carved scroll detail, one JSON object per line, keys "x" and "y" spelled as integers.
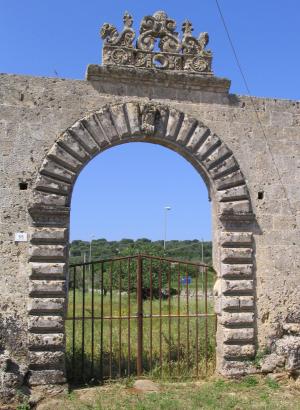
{"x": 110, "y": 34}
{"x": 188, "y": 53}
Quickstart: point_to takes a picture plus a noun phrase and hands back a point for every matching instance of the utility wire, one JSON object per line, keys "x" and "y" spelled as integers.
{"x": 252, "y": 102}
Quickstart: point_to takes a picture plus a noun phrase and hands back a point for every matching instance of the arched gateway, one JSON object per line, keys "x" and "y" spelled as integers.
{"x": 232, "y": 219}
{"x": 168, "y": 97}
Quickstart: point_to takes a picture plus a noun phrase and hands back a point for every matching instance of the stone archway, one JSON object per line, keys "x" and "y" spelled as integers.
{"x": 50, "y": 212}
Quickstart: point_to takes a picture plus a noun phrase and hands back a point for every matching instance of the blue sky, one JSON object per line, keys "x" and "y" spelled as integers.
{"x": 111, "y": 199}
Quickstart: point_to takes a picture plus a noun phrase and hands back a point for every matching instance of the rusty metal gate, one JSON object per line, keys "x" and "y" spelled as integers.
{"x": 139, "y": 315}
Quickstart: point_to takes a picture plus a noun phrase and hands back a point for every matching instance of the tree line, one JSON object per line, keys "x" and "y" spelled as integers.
{"x": 189, "y": 250}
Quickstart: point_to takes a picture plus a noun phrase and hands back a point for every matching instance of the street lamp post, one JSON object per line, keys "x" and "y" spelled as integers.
{"x": 90, "y": 256}
{"x": 166, "y": 209}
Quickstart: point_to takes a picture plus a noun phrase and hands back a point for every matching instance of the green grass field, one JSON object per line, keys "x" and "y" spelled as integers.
{"x": 175, "y": 347}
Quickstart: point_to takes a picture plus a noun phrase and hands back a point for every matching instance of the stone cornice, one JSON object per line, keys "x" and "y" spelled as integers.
{"x": 178, "y": 80}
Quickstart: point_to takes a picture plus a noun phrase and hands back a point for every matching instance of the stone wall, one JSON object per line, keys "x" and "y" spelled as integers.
{"x": 34, "y": 112}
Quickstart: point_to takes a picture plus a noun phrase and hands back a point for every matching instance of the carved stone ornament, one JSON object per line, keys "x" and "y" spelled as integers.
{"x": 158, "y": 45}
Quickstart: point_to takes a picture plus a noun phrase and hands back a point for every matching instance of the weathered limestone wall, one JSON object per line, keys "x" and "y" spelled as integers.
{"x": 35, "y": 111}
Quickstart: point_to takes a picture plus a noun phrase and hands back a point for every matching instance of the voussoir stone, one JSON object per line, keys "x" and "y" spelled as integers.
{"x": 237, "y": 255}
{"x": 119, "y": 120}
{"x": 39, "y": 340}
{"x": 237, "y": 271}
{"x": 44, "y": 322}
{"x": 40, "y": 270}
{"x": 84, "y": 137}
{"x": 133, "y": 115}
{"x": 47, "y": 358}
{"x": 239, "y": 335}
{"x": 48, "y": 252}
{"x": 174, "y": 124}
{"x": 237, "y": 319}
{"x": 46, "y": 305}
{"x": 74, "y": 147}
{"x": 42, "y": 377}
{"x": 237, "y": 286}
{"x": 238, "y": 303}
{"x": 234, "y": 238}
{"x": 47, "y": 235}
{"x": 46, "y": 287}
{"x": 239, "y": 351}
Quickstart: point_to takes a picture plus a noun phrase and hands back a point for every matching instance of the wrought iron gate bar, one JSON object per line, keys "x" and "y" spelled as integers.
{"x": 139, "y": 314}
{"x": 72, "y": 265}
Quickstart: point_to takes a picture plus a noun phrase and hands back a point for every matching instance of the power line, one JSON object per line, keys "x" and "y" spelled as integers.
{"x": 252, "y": 102}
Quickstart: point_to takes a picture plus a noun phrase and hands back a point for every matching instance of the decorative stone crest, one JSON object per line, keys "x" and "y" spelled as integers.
{"x": 158, "y": 45}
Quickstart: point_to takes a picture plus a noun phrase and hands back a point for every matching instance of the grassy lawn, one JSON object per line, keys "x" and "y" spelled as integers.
{"x": 172, "y": 347}
{"x": 248, "y": 393}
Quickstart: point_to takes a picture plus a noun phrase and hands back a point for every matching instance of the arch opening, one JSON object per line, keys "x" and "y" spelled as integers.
{"x": 175, "y": 296}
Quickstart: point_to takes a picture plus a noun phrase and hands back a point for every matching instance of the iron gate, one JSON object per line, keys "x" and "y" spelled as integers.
{"x": 139, "y": 315}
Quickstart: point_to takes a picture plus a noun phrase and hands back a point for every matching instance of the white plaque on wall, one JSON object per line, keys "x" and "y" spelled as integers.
{"x": 21, "y": 237}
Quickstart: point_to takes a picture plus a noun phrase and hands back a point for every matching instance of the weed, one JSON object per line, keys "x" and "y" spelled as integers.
{"x": 259, "y": 356}
{"x": 273, "y": 384}
{"x": 249, "y": 381}
{"x": 24, "y": 406}
{"x": 71, "y": 396}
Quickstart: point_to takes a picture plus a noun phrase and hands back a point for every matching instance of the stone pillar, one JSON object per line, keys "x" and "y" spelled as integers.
{"x": 48, "y": 291}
